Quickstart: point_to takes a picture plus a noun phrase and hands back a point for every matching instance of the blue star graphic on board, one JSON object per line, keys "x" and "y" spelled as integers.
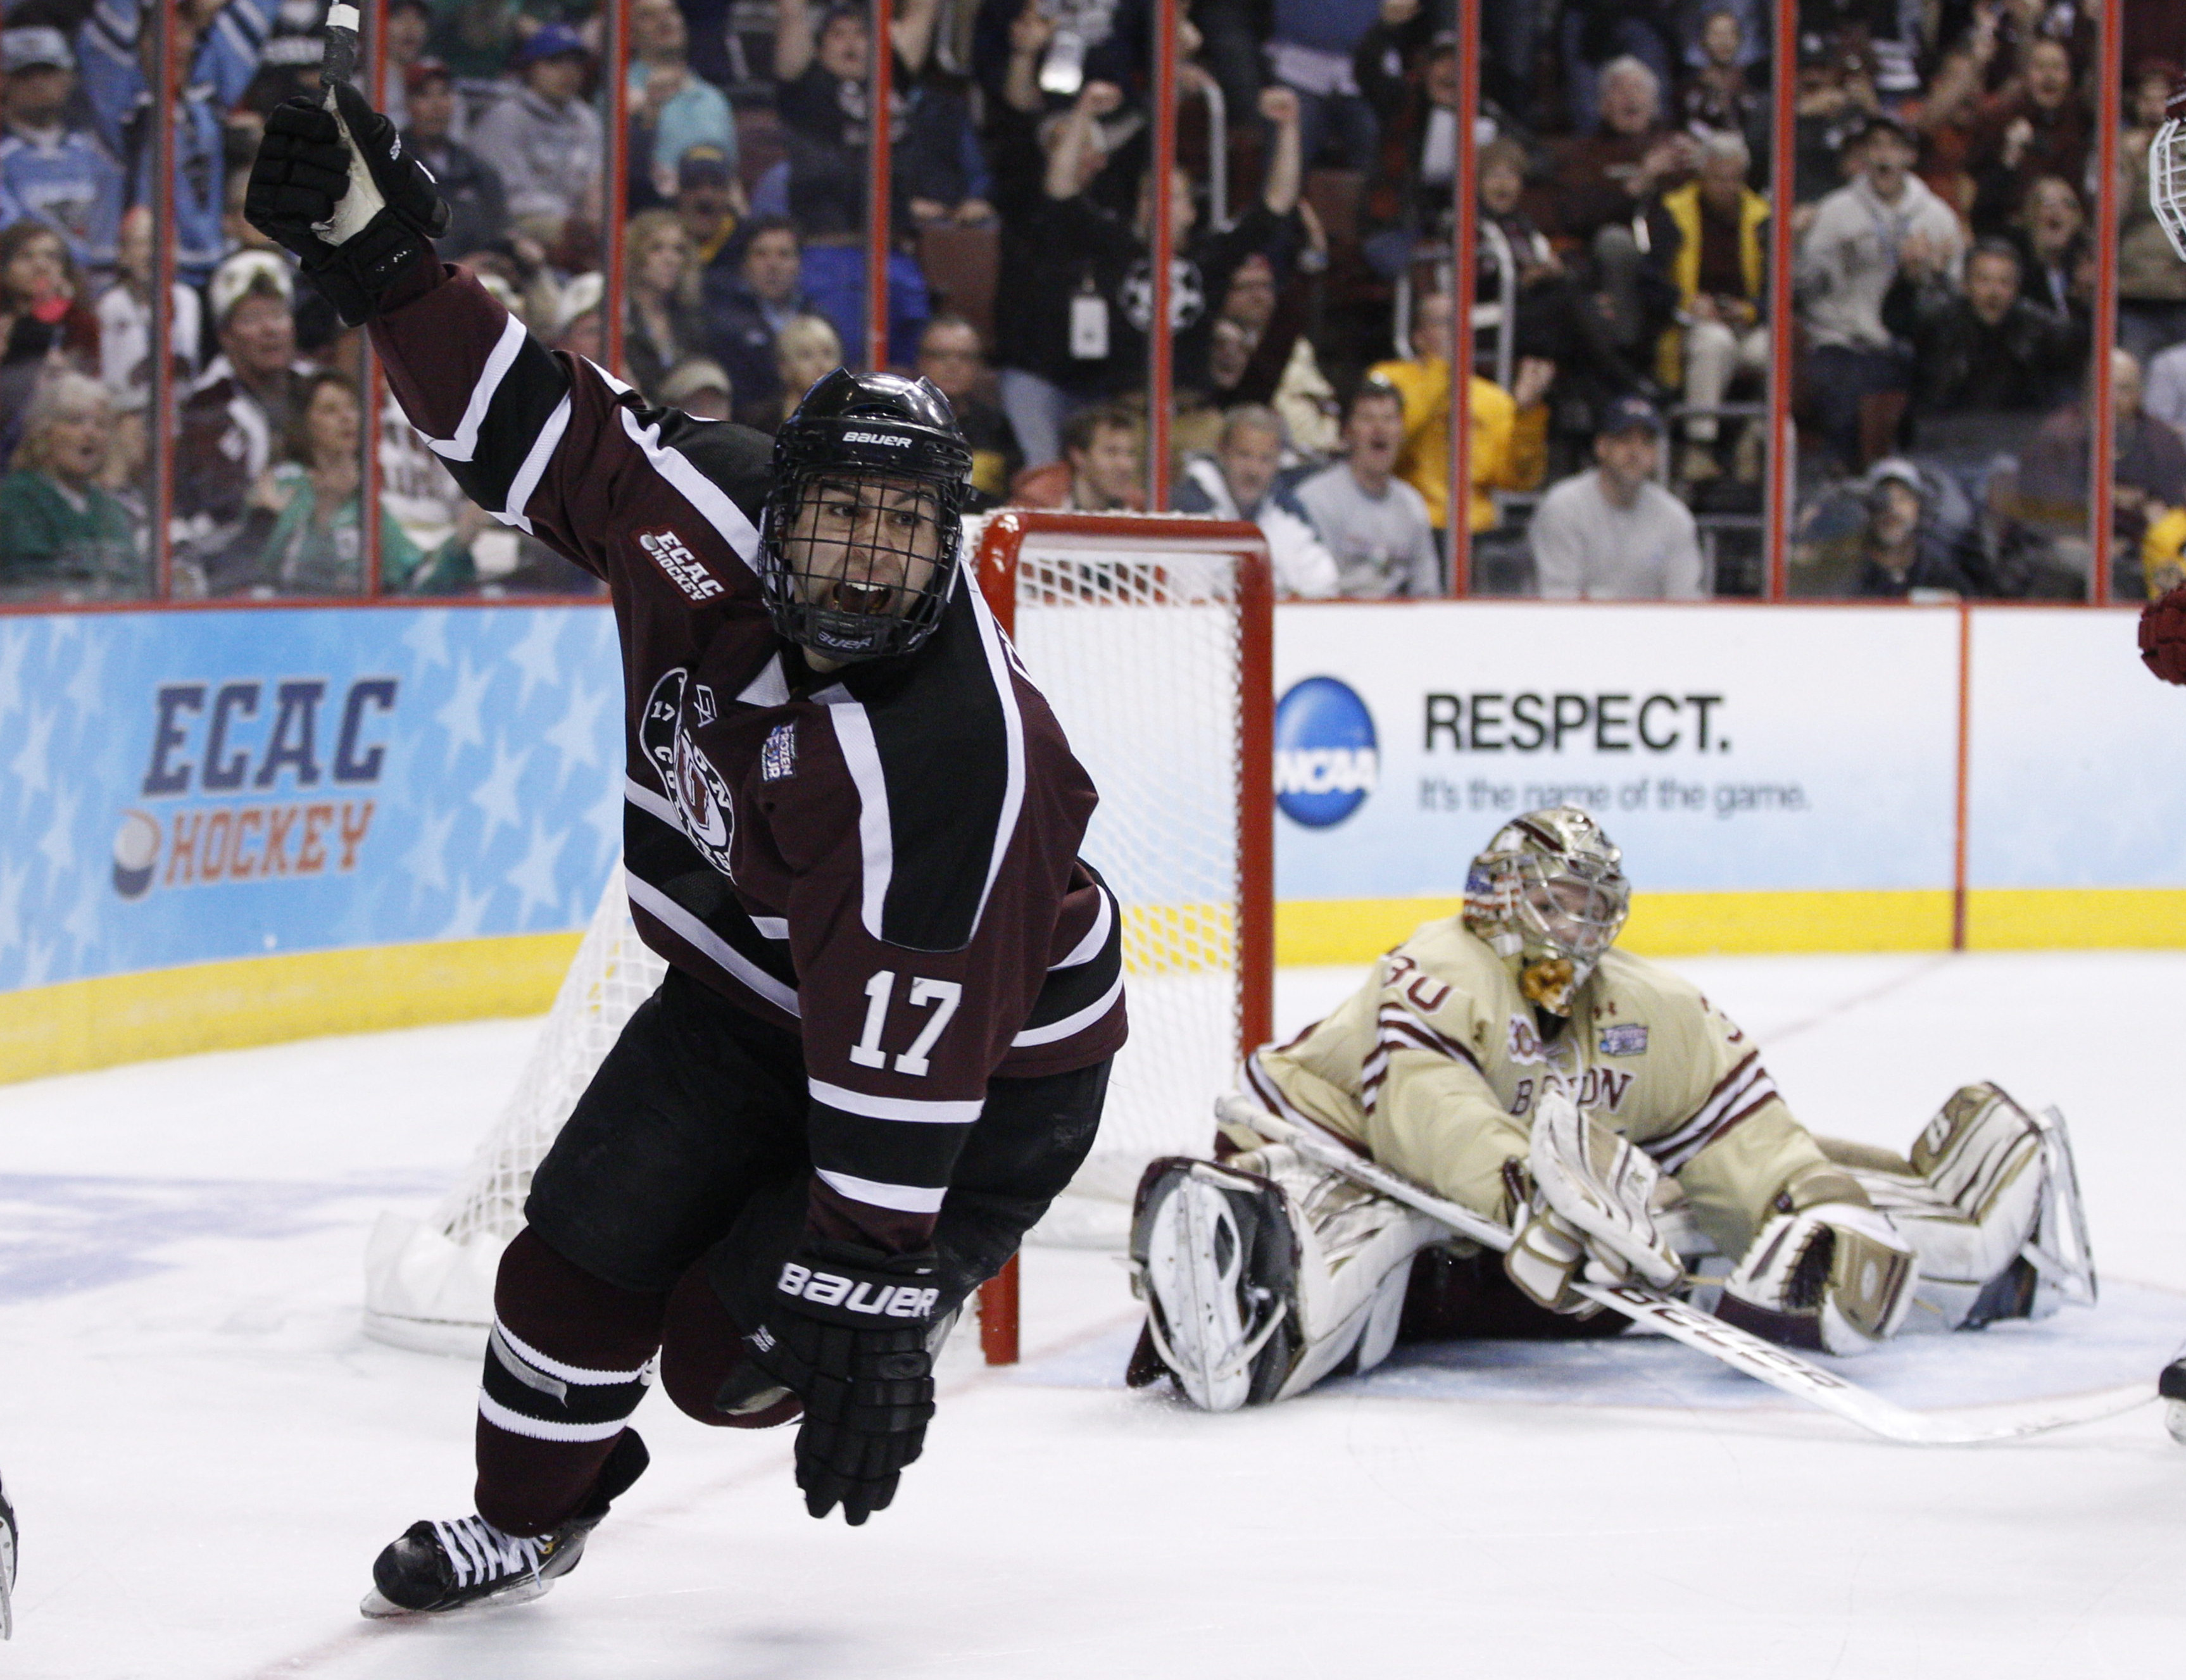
{"x": 15, "y": 652}
{"x": 29, "y": 766}
{"x": 427, "y": 860}
{"x": 497, "y": 794}
{"x": 37, "y": 963}
{"x": 576, "y": 736}
{"x": 536, "y": 655}
{"x": 86, "y": 686}
{"x": 12, "y": 879}
{"x": 83, "y": 923}
{"x": 59, "y": 844}
{"x": 533, "y": 876}
{"x": 463, "y": 920}
{"x": 462, "y": 715}
{"x": 604, "y": 818}
{"x": 427, "y": 638}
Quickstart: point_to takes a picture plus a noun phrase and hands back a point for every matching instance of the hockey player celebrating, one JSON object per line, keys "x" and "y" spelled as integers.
{"x": 1511, "y": 1060}
{"x": 851, "y": 826}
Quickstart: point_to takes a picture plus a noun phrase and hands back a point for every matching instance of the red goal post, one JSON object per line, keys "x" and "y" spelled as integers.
{"x": 1152, "y": 635}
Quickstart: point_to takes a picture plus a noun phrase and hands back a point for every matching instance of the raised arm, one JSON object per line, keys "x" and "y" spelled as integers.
{"x": 793, "y": 40}
{"x": 1097, "y": 99}
{"x": 1279, "y": 105}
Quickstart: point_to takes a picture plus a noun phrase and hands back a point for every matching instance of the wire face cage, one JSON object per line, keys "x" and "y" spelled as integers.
{"x": 2166, "y": 183}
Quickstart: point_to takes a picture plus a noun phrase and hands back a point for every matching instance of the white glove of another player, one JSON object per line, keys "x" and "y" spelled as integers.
{"x": 1590, "y": 1211}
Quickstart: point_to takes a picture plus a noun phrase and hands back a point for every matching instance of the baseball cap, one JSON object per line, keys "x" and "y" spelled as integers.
{"x": 688, "y": 379}
{"x": 1628, "y": 414}
{"x": 244, "y": 273}
{"x": 1894, "y": 469}
{"x": 39, "y": 49}
{"x": 415, "y": 76}
{"x": 554, "y": 41}
{"x": 704, "y": 164}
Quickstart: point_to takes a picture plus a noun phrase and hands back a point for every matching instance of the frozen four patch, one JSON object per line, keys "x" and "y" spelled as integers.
{"x": 1623, "y": 1041}
{"x": 777, "y": 760}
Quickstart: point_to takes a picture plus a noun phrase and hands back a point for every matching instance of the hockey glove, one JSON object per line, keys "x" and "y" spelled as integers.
{"x": 358, "y": 212}
{"x": 846, "y": 1331}
{"x": 2163, "y": 636}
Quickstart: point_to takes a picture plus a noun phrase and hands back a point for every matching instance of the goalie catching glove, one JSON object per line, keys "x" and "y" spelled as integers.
{"x": 1833, "y": 1277}
{"x": 846, "y": 1331}
{"x": 1588, "y": 1214}
{"x": 358, "y": 211}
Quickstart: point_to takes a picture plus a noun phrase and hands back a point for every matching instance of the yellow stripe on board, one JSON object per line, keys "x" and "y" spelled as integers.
{"x": 265, "y": 1000}
{"x": 1671, "y": 924}
{"x": 2084, "y": 918}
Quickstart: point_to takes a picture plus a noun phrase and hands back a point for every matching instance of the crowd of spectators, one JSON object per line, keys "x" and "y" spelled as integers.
{"x": 1617, "y": 389}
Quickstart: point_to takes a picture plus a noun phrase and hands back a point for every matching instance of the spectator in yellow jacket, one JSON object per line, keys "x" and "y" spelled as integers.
{"x": 1423, "y": 382}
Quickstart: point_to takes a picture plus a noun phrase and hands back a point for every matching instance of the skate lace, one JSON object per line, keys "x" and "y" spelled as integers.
{"x": 481, "y": 1553}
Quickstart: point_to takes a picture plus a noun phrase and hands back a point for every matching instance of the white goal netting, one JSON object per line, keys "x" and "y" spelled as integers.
{"x": 1141, "y": 654}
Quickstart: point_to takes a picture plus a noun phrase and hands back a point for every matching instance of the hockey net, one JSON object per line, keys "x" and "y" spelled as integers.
{"x": 1151, "y": 638}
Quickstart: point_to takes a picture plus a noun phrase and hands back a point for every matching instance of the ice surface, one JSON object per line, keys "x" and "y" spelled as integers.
{"x": 206, "y": 1452}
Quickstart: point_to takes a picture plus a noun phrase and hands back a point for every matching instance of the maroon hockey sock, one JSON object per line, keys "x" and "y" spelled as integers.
{"x": 700, "y": 1345}
{"x": 564, "y": 1370}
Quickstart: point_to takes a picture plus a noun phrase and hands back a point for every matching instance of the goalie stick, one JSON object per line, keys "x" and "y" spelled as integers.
{"x": 1778, "y": 1366}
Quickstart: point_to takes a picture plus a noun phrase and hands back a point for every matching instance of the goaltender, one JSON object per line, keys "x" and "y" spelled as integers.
{"x": 1512, "y": 1060}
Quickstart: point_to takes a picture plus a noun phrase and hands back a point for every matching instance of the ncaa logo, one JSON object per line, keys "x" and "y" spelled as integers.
{"x": 1326, "y": 759}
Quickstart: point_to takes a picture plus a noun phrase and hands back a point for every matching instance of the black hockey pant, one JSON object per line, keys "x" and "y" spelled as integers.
{"x": 665, "y": 1207}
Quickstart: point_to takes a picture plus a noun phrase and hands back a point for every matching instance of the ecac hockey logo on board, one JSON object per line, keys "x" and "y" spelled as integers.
{"x": 224, "y": 743}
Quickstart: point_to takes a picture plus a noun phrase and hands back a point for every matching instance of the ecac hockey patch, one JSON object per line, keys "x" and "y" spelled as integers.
{"x": 777, "y": 754}
{"x": 1623, "y": 1041}
{"x": 683, "y": 568}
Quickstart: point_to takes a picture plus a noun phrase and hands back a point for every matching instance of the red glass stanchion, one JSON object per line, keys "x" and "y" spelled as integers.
{"x": 162, "y": 417}
{"x": 1160, "y": 366}
{"x": 2102, "y": 428}
{"x": 1778, "y": 482}
{"x": 880, "y": 185}
{"x": 615, "y": 190}
{"x": 368, "y": 511}
{"x": 1465, "y": 236}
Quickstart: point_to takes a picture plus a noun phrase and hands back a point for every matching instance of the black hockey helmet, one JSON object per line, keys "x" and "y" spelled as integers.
{"x": 863, "y": 524}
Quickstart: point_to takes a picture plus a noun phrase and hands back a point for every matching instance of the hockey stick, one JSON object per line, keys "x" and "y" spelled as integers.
{"x": 338, "y": 57}
{"x": 1778, "y": 1366}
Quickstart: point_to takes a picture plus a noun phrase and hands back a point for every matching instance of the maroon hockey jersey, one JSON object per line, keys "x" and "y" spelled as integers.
{"x": 882, "y": 858}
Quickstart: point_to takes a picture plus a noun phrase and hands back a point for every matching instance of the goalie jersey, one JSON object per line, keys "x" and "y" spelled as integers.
{"x": 882, "y": 860}
{"x": 1433, "y": 1067}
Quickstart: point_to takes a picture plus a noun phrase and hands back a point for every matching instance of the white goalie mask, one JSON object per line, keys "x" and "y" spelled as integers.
{"x": 2166, "y": 181}
{"x": 1549, "y": 896}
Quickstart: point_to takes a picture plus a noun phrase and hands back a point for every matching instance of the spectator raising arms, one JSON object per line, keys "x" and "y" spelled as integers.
{"x": 61, "y": 534}
{"x": 1238, "y": 482}
{"x": 1423, "y": 382}
{"x": 1883, "y": 226}
{"x": 1373, "y": 522}
{"x": 672, "y": 108}
{"x": 1612, "y": 532}
{"x": 51, "y": 172}
{"x": 211, "y": 67}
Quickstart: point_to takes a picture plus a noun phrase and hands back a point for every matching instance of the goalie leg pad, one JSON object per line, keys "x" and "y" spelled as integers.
{"x": 1833, "y": 1277}
{"x": 1213, "y": 1252}
{"x": 1993, "y": 1210}
{"x": 1329, "y": 1294}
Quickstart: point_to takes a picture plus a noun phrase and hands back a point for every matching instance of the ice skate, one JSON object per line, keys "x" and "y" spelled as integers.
{"x": 437, "y": 1567}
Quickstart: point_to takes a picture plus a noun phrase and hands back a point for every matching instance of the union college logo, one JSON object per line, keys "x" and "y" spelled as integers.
{"x": 693, "y": 786}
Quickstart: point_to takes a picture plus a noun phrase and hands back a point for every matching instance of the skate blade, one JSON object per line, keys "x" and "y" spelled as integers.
{"x": 381, "y": 1608}
{"x": 2174, "y": 1419}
